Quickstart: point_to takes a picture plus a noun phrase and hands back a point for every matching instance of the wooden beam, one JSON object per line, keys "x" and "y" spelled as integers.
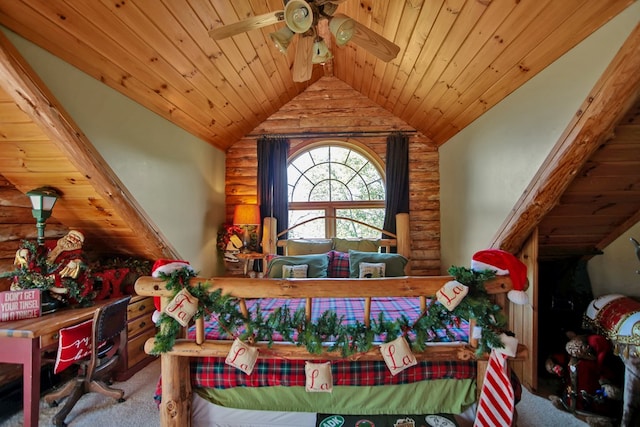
{"x": 33, "y": 97}
{"x": 614, "y": 93}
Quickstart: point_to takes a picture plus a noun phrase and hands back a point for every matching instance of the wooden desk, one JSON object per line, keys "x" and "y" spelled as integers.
{"x": 22, "y": 341}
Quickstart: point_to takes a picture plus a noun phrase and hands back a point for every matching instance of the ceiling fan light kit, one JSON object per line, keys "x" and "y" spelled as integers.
{"x": 301, "y": 17}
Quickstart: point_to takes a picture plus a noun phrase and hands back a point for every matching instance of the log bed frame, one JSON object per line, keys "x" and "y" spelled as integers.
{"x": 175, "y": 408}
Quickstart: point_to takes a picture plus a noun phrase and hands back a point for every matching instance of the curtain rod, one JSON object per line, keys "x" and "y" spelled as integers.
{"x": 361, "y": 134}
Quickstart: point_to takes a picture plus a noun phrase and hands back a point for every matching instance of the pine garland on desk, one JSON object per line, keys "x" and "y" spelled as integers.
{"x": 347, "y": 339}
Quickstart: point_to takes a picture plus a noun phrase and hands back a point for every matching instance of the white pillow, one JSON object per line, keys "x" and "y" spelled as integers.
{"x": 371, "y": 269}
{"x": 295, "y": 271}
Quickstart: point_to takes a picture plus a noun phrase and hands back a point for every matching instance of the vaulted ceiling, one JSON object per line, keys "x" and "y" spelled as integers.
{"x": 457, "y": 59}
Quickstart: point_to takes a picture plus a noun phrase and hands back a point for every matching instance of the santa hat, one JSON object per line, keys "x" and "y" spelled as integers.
{"x": 504, "y": 263}
{"x": 168, "y": 266}
{"x": 165, "y": 266}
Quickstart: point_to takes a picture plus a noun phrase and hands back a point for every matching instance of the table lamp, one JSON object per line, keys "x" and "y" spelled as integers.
{"x": 246, "y": 216}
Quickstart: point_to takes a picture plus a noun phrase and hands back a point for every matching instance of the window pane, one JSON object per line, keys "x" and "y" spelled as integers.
{"x": 340, "y": 192}
{"x": 346, "y": 229}
{"x": 312, "y": 229}
{"x": 320, "y": 192}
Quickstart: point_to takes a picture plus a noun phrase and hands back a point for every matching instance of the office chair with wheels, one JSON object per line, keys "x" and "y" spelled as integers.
{"x": 96, "y": 367}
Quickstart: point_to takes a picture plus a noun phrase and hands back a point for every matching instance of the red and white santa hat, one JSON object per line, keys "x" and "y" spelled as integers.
{"x": 166, "y": 266}
{"x": 504, "y": 263}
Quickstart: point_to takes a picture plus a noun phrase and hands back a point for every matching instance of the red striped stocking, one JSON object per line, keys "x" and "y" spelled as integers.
{"x": 496, "y": 405}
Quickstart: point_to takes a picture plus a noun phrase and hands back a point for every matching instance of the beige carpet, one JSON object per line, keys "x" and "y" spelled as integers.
{"x": 140, "y": 410}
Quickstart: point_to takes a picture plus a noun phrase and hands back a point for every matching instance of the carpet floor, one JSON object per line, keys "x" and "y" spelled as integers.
{"x": 139, "y": 410}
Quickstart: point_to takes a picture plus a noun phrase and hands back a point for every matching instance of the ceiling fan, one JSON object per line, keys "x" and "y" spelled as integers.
{"x": 301, "y": 17}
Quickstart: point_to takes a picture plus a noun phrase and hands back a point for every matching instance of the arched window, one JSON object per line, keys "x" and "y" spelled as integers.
{"x": 335, "y": 180}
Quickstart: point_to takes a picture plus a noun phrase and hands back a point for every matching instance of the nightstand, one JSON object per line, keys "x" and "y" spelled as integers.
{"x": 248, "y": 259}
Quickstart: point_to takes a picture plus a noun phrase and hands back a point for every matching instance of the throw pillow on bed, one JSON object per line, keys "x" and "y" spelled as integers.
{"x": 370, "y": 270}
{"x": 294, "y": 271}
{"x": 394, "y": 263}
{"x": 362, "y": 245}
{"x": 307, "y": 247}
{"x": 338, "y": 265}
{"x": 317, "y": 263}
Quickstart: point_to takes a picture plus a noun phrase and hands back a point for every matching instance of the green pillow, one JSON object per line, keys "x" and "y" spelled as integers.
{"x": 363, "y": 245}
{"x": 394, "y": 263}
{"x": 307, "y": 247}
{"x": 317, "y": 263}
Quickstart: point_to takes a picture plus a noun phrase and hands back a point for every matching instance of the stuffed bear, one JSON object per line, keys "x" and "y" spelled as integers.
{"x": 591, "y": 376}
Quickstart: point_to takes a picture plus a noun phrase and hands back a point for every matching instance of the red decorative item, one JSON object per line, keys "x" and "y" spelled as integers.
{"x": 73, "y": 345}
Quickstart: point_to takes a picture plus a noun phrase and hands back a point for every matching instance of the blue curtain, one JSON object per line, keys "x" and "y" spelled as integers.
{"x": 397, "y": 171}
{"x": 272, "y": 179}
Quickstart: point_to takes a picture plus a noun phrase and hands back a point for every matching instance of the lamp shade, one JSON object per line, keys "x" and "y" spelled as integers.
{"x": 298, "y": 16}
{"x": 282, "y": 38}
{"x": 246, "y": 215}
{"x": 321, "y": 52}
{"x": 342, "y": 28}
{"x": 43, "y": 198}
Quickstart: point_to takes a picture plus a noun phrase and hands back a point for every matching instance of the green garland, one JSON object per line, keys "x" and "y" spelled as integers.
{"x": 348, "y": 339}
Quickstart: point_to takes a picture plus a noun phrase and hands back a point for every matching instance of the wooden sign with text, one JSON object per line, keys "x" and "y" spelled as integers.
{"x": 15, "y": 305}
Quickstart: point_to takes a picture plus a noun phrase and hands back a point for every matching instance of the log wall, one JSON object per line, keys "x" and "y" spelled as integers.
{"x": 331, "y": 106}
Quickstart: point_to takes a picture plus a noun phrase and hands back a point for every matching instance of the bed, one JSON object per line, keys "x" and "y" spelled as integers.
{"x": 362, "y": 384}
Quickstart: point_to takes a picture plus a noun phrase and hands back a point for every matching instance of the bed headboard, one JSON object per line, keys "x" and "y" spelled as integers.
{"x": 271, "y": 240}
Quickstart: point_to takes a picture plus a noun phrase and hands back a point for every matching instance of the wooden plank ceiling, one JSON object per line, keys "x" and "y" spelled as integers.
{"x": 457, "y": 58}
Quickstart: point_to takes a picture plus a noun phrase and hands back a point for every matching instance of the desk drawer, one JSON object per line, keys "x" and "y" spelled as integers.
{"x": 49, "y": 340}
{"x": 140, "y": 307}
{"x": 136, "y": 326}
{"x": 135, "y": 348}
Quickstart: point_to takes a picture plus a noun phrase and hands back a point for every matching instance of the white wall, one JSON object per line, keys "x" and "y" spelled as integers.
{"x": 615, "y": 270}
{"x": 485, "y": 168}
{"x": 176, "y": 178}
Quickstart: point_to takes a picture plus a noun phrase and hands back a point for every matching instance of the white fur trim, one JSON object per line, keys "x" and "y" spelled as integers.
{"x": 169, "y": 268}
{"x": 155, "y": 317}
{"x": 479, "y": 266}
{"x": 518, "y": 297}
{"x": 510, "y": 345}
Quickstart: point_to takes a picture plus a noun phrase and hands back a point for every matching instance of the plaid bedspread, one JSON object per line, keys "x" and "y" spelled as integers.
{"x": 215, "y": 373}
{"x": 351, "y": 309}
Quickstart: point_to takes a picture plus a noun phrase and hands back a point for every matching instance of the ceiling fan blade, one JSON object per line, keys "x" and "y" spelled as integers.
{"x": 248, "y": 24}
{"x": 302, "y": 64}
{"x": 374, "y": 43}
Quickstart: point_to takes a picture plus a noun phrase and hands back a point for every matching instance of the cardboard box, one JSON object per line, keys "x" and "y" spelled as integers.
{"x": 23, "y": 304}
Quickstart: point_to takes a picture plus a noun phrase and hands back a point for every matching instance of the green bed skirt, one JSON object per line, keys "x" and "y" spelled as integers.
{"x": 425, "y": 397}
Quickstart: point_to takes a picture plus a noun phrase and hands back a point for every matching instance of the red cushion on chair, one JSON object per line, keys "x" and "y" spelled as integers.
{"x": 73, "y": 345}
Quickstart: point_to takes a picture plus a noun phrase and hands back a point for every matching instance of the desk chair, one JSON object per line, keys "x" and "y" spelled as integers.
{"x": 107, "y": 334}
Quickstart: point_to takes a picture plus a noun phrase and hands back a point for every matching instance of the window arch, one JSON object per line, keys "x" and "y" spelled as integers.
{"x": 335, "y": 179}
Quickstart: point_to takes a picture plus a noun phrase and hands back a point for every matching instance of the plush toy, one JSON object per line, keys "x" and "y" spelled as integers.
{"x": 591, "y": 376}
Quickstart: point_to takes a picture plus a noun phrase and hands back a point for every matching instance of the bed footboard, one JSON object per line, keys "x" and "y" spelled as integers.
{"x": 175, "y": 408}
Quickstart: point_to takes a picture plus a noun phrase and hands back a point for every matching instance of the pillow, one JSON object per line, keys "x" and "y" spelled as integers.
{"x": 306, "y": 247}
{"x": 73, "y": 345}
{"x": 317, "y": 263}
{"x": 394, "y": 262}
{"x": 371, "y": 270}
{"x": 338, "y": 265}
{"x": 363, "y": 245}
{"x": 294, "y": 271}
